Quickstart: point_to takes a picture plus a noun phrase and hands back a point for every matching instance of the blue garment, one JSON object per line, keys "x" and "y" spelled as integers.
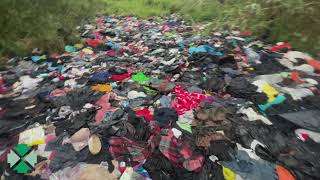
{"x": 100, "y": 75}
{"x": 251, "y": 169}
{"x": 109, "y": 20}
{"x": 35, "y": 58}
{"x": 279, "y": 99}
{"x": 57, "y": 68}
{"x": 114, "y": 46}
{"x": 142, "y": 172}
{"x": 205, "y": 49}
{"x": 70, "y": 49}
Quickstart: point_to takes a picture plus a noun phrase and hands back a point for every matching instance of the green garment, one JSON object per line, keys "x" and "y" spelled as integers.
{"x": 140, "y": 78}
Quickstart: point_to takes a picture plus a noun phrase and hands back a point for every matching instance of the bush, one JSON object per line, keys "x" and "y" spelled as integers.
{"x": 46, "y": 24}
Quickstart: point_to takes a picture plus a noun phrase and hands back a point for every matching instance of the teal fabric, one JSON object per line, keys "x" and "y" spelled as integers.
{"x": 279, "y": 99}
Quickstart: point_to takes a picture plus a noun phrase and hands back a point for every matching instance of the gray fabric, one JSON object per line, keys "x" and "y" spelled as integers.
{"x": 165, "y": 101}
{"x": 65, "y": 156}
{"x": 306, "y": 119}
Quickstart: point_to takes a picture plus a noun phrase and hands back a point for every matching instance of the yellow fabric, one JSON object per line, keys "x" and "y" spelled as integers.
{"x": 228, "y": 174}
{"x": 79, "y": 46}
{"x": 37, "y": 142}
{"x": 87, "y": 51}
{"x": 270, "y": 91}
{"x": 43, "y": 57}
{"x": 102, "y": 88}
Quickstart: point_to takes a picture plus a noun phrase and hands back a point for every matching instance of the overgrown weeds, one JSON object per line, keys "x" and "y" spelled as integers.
{"x": 26, "y": 24}
{"x": 49, "y": 24}
{"x": 294, "y": 21}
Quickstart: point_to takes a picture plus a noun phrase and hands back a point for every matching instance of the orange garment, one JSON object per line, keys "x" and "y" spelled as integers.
{"x": 102, "y": 88}
{"x": 296, "y": 77}
{"x": 314, "y": 63}
{"x": 284, "y": 174}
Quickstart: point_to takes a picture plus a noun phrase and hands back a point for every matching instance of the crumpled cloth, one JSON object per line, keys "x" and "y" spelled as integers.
{"x": 251, "y": 169}
{"x": 179, "y": 153}
{"x": 140, "y": 77}
{"x": 101, "y": 88}
{"x": 103, "y": 102}
{"x": 186, "y": 101}
{"x": 145, "y": 113}
{"x": 136, "y": 94}
{"x": 122, "y": 148}
{"x": 205, "y": 49}
{"x": 80, "y": 139}
{"x": 253, "y": 115}
{"x": 120, "y": 77}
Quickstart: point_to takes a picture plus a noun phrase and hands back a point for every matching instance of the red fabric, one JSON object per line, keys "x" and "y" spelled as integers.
{"x": 55, "y": 56}
{"x": 304, "y": 136}
{"x": 121, "y": 147}
{"x": 3, "y": 89}
{"x": 314, "y": 63}
{"x": 241, "y": 57}
{"x": 3, "y": 156}
{"x": 245, "y": 33}
{"x": 62, "y": 78}
{"x": 281, "y": 46}
{"x": 52, "y": 154}
{"x": 296, "y": 77}
{"x": 93, "y": 43}
{"x": 120, "y": 77}
{"x": 186, "y": 101}
{"x": 180, "y": 153}
{"x": 145, "y": 113}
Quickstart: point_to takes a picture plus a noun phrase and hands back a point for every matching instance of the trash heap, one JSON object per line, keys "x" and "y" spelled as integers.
{"x": 149, "y": 99}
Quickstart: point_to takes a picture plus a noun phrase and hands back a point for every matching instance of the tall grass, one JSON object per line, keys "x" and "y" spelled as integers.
{"x": 47, "y": 24}
{"x": 295, "y": 21}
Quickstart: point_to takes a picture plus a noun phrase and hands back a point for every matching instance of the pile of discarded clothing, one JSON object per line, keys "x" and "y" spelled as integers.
{"x": 150, "y": 99}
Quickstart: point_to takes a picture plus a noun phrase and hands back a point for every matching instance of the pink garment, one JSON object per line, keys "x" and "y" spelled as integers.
{"x": 55, "y": 56}
{"x": 103, "y": 102}
{"x": 98, "y": 36}
{"x": 59, "y": 92}
{"x": 100, "y": 20}
{"x": 111, "y": 53}
{"x": 165, "y": 28}
{"x": 186, "y": 101}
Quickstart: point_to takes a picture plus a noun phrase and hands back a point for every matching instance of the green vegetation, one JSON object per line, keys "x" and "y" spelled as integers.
{"x": 294, "y": 21}
{"x": 49, "y": 24}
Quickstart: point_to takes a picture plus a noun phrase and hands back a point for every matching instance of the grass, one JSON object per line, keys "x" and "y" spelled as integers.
{"x": 294, "y": 21}
{"x": 44, "y": 24}
{"x": 50, "y": 24}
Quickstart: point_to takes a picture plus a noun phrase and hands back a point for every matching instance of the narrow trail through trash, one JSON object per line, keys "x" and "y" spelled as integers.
{"x": 148, "y": 99}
